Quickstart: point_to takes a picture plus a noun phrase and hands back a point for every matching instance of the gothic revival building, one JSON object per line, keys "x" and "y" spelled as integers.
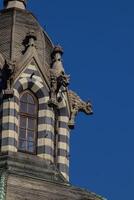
{"x": 37, "y": 112}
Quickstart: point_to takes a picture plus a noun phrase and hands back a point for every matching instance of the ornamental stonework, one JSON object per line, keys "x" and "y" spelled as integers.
{"x": 37, "y": 111}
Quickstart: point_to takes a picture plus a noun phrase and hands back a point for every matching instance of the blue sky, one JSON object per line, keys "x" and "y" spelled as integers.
{"x": 98, "y": 40}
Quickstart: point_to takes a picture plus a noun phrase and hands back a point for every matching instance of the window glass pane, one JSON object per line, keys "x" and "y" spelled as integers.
{"x": 31, "y": 109}
{"x": 31, "y": 123}
{"x": 31, "y": 147}
{"x": 23, "y": 121}
{"x": 30, "y": 99}
{"x": 22, "y": 145}
{"x": 23, "y": 107}
{"x": 24, "y": 98}
{"x": 22, "y": 133}
{"x": 30, "y": 136}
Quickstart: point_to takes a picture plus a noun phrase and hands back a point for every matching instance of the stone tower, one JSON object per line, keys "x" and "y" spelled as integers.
{"x": 37, "y": 111}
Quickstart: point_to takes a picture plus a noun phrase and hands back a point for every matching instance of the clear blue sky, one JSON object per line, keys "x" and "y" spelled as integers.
{"x": 98, "y": 40}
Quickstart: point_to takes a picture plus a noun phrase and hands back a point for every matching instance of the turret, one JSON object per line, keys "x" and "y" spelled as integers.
{"x": 37, "y": 110}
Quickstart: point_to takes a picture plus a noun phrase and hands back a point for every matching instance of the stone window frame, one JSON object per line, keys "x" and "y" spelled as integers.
{"x": 28, "y": 116}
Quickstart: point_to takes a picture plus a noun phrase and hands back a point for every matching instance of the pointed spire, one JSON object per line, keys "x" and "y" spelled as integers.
{"x": 15, "y": 4}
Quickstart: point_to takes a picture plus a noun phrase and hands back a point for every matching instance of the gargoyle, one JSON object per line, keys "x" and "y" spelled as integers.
{"x": 77, "y": 105}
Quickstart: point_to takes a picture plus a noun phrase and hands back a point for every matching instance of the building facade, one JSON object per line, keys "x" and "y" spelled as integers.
{"x": 37, "y": 111}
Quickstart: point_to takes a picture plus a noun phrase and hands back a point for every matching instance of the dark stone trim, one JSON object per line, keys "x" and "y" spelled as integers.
{"x": 63, "y": 138}
{"x": 9, "y": 141}
{"x": 18, "y": 87}
{"x": 30, "y": 84}
{"x": 45, "y": 120}
{"x": 30, "y": 71}
{"x": 63, "y": 112}
{"x": 11, "y": 112}
{"x": 9, "y": 126}
{"x": 63, "y": 125}
{"x": 45, "y": 134}
{"x": 45, "y": 149}
{"x": 39, "y": 93}
{"x": 44, "y": 106}
{"x": 62, "y": 152}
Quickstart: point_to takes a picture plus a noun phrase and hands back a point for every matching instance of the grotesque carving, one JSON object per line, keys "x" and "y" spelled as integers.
{"x": 59, "y": 83}
{"x": 6, "y": 79}
{"x": 77, "y": 105}
{"x": 59, "y": 80}
{"x": 29, "y": 40}
{"x": 53, "y": 91}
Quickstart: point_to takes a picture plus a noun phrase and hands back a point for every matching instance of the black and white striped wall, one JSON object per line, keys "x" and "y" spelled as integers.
{"x": 9, "y": 122}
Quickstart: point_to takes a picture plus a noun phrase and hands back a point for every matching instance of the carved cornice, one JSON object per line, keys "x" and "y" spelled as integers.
{"x": 30, "y": 165}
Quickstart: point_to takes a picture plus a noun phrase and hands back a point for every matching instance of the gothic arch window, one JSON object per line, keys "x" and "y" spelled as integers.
{"x": 28, "y": 114}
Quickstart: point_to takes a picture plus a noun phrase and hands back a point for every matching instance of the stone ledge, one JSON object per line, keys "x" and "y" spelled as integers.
{"x": 30, "y": 165}
{"x": 34, "y": 178}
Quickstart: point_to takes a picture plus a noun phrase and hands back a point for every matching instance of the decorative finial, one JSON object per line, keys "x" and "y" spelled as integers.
{"x": 57, "y": 64}
{"x": 15, "y": 4}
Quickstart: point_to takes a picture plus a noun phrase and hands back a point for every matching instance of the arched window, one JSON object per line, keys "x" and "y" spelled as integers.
{"x": 28, "y": 122}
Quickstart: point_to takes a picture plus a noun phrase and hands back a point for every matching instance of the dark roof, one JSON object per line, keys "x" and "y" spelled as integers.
{"x": 15, "y": 24}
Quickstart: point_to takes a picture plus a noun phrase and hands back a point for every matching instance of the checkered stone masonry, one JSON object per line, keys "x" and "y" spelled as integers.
{"x": 46, "y": 121}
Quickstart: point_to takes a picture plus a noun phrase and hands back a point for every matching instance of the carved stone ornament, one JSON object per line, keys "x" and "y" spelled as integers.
{"x": 6, "y": 79}
{"x": 77, "y": 105}
{"x": 57, "y": 64}
{"x": 30, "y": 40}
{"x": 53, "y": 90}
{"x": 59, "y": 80}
